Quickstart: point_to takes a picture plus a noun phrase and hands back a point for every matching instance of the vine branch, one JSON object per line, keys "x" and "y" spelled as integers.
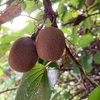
{"x": 9, "y": 89}
{"x": 49, "y": 13}
{"x": 82, "y": 72}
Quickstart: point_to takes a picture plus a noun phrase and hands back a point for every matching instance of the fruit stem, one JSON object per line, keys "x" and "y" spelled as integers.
{"x": 35, "y": 34}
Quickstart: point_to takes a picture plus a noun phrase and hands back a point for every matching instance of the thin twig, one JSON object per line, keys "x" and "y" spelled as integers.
{"x": 65, "y": 69}
{"x": 35, "y": 34}
{"x": 93, "y": 14}
{"x": 31, "y": 17}
{"x": 77, "y": 93}
{"x": 74, "y": 75}
{"x": 73, "y": 20}
{"x": 8, "y": 89}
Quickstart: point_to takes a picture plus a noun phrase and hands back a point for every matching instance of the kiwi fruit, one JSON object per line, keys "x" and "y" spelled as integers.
{"x": 89, "y": 2}
{"x": 23, "y": 55}
{"x": 50, "y": 43}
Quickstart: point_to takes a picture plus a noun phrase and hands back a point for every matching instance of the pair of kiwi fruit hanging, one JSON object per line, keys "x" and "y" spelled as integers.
{"x": 49, "y": 45}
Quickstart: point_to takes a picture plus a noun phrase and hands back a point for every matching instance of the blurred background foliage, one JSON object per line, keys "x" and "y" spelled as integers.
{"x": 81, "y": 27}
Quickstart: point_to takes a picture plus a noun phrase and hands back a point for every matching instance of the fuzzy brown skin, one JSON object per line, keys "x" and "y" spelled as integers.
{"x": 50, "y": 44}
{"x": 89, "y": 2}
{"x": 23, "y": 55}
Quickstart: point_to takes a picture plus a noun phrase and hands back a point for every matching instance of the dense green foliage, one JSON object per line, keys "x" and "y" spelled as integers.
{"x": 81, "y": 27}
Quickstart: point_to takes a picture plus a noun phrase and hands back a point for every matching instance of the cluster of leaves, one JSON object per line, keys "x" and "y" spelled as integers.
{"x": 80, "y": 25}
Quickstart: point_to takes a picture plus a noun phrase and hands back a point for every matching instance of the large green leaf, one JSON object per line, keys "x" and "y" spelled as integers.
{"x": 96, "y": 58}
{"x": 30, "y": 83}
{"x": 44, "y": 89}
{"x": 95, "y": 94}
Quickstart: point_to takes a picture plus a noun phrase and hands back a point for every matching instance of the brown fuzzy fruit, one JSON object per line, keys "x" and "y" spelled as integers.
{"x": 89, "y": 2}
{"x": 23, "y": 55}
{"x": 50, "y": 44}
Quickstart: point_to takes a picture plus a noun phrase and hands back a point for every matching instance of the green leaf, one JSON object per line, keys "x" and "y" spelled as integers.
{"x": 39, "y": 14}
{"x": 75, "y": 69}
{"x": 1, "y": 72}
{"x": 4, "y": 49}
{"x": 74, "y": 36}
{"x": 74, "y": 2}
{"x": 54, "y": 1}
{"x": 4, "y": 29}
{"x": 86, "y": 62}
{"x": 23, "y": 6}
{"x": 29, "y": 29}
{"x": 44, "y": 90}
{"x": 31, "y": 6}
{"x": 41, "y": 61}
{"x": 66, "y": 94}
{"x": 53, "y": 64}
{"x": 0, "y": 1}
{"x": 87, "y": 23}
{"x": 81, "y": 3}
{"x": 30, "y": 83}
{"x": 65, "y": 30}
{"x": 8, "y": 38}
{"x": 57, "y": 96}
{"x": 61, "y": 10}
{"x": 47, "y": 22}
{"x": 96, "y": 57}
{"x": 85, "y": 40}
{"x": 67, "y": 16}
{"x": 95, "y": 94}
